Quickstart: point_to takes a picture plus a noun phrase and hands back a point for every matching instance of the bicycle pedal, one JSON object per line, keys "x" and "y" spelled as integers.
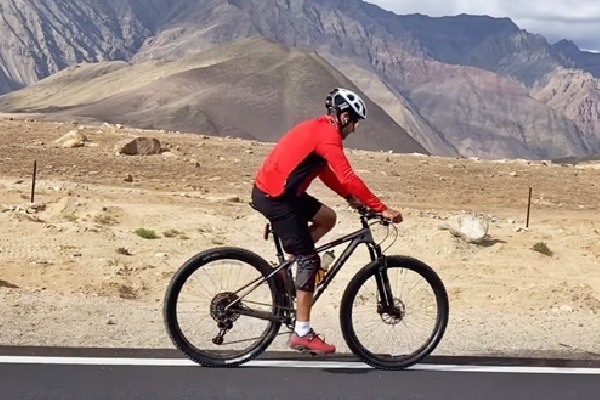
{"x": 311, "y": 353}
{"x": 308, "y": 352}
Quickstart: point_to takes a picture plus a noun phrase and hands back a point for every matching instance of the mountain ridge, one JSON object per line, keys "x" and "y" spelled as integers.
{"x": 395, "y": 52}
{"x": 229, "y": 90}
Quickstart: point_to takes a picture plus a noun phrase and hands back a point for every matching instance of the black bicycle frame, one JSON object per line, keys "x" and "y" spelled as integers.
{"x": 353, "y": 239}
{"x": 363, "y": 235}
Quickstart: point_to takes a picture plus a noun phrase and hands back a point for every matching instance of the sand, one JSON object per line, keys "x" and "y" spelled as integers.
{"x": 73, "y": 271}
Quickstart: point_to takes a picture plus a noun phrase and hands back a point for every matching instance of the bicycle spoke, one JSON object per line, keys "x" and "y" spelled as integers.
{"x": 404, "y": 325}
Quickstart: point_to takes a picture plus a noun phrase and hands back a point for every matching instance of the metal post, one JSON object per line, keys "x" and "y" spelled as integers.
{"x": 32, "y": 197}
{"x": 528, "y": 206}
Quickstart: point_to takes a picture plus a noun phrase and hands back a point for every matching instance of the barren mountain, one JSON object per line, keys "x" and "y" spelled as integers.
{"x": 584, "y": 60}
{"x": 387, "y": 56}
{"x": 40, "y": 38}
{"x": 399, "y": 108}
{"x": 577, "y": 95}
{"x": 254, "y": 89}
{"x": 486, "y": 114}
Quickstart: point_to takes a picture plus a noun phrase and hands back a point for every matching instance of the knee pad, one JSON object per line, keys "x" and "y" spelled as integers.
{"x": 306, "y": 267}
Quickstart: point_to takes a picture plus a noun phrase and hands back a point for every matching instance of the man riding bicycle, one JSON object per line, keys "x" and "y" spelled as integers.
{"x": 313, "y": 148}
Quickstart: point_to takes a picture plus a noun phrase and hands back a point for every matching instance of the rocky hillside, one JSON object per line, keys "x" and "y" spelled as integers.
{"x": 196, "y": 94}
{"x": 583, "y": 60}
{"x": 459, "y": 84}
{"x": 577, "y": 95}
{"x": 42, "y": 37}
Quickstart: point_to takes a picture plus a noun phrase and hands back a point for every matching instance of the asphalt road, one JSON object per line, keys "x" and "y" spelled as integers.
{"x": 36, "y": 374}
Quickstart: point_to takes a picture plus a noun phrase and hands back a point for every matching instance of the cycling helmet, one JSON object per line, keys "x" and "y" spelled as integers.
{"x": 346, "y": 100}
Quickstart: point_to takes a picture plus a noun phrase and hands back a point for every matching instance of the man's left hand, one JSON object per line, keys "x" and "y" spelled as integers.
{"x": 353, "y": 202}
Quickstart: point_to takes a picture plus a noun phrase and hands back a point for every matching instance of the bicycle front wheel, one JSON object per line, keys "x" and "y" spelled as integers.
{"x": 375, "y": 282}
{"x": 225, "y": 308}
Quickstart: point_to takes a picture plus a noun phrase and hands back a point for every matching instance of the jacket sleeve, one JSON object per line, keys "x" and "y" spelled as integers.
{"x": 330, "y": 148}
{"x": 331, "y": 181}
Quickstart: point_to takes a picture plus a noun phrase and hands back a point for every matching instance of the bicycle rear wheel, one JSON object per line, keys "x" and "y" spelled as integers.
{"x": 393, "y": 315}
{"x": 226, "y": 308}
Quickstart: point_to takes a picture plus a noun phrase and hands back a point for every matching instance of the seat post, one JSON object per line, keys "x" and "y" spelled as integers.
{"x": 278, "y": 247}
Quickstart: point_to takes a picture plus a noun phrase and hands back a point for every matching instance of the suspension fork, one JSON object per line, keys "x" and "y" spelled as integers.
{"x": 381, "y": 277}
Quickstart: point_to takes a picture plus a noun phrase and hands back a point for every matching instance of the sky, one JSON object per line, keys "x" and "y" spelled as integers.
{"x": 577, "y": 20}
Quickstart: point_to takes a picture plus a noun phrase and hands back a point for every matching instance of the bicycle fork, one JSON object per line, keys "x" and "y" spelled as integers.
{"x": 386, "y": 303}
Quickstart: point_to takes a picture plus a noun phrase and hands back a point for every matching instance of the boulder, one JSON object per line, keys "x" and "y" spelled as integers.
{"x": 73, "y": 138}
{"x": 139, "y": 146}
{"x": 471, "y": 228}
{"x": 72, "y": 143}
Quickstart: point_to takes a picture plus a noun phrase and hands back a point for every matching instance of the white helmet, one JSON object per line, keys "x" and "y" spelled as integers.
{"x": 344, "y": 99}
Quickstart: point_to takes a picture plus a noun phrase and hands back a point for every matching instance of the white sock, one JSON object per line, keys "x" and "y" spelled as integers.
{"x": 302, "y": 328}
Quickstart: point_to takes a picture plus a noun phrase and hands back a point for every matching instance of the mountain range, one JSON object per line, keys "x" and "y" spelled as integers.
{"x": 462, "y": 86}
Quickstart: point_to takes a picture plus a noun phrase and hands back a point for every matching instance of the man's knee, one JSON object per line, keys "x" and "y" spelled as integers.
{"x": 306, "y": 267}
{"x": 325, "y": 218}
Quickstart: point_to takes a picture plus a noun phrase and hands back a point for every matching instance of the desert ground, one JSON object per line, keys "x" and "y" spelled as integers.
{"x": 73, "y": 271}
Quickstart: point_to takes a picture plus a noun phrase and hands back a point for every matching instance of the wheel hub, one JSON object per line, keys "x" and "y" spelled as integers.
{"x": 219, "y": 311}
{"x": 394, "y": 314}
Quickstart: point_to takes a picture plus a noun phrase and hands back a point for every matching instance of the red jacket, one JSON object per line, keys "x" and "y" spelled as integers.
{"x": 310, "y": 149}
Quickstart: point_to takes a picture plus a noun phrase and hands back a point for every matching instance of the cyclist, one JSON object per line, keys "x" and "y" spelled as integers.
{"x": 313, "y": 148}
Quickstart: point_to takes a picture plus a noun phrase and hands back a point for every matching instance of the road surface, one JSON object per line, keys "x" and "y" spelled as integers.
{"x": 99, "y": 374}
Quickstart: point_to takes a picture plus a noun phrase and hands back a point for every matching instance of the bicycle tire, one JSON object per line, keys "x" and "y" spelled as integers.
{"x": 351, "y": 291}
{"x": 184, "y": 272}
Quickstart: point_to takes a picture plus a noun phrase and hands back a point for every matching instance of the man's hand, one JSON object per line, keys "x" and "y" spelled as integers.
{"x": 393, "y": 215}
{"x": 353, "y": 202}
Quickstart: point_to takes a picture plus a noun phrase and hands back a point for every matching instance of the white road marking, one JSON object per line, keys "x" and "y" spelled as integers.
{"x": 178, "y": 362}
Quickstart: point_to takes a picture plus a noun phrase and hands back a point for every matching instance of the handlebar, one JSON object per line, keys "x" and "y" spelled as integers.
{"x": 367, "y": 214}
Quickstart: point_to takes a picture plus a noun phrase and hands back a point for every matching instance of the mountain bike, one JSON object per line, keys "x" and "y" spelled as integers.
{"x": 226, "y": 308}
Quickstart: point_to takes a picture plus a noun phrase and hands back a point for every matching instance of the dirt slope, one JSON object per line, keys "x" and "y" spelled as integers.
{"x": 254, "y": 89}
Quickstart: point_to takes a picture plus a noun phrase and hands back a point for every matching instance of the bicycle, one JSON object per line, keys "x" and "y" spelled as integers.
{"x": 226, "y": 308}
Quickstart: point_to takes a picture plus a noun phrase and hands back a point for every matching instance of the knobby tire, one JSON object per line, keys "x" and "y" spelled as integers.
{"x": 351, "y": 291}
{"x": 183, "y": 273}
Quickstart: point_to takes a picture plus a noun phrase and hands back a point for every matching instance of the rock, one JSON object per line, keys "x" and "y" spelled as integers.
{"x": 72, "y": 143}
{"x": 27, "y": 208}
{"x": 225, "y": 199}
{"x": 72, "y": 134}
{"x": 472, "y": 228}
{"x": 566, "y": 308}
{"x": 140, "y": 146}
{"x": 73, "y": 138}
{"x": 469, "y": 227}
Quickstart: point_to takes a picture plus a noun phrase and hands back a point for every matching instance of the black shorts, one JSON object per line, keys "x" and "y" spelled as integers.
{"x": 289, "y": 217}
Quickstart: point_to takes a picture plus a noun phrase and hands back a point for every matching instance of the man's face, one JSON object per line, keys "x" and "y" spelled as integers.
{"x": 348, "y": 129}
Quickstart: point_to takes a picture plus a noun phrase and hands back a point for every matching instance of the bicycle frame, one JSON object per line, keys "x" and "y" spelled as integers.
{"x": 353, "y": 239}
